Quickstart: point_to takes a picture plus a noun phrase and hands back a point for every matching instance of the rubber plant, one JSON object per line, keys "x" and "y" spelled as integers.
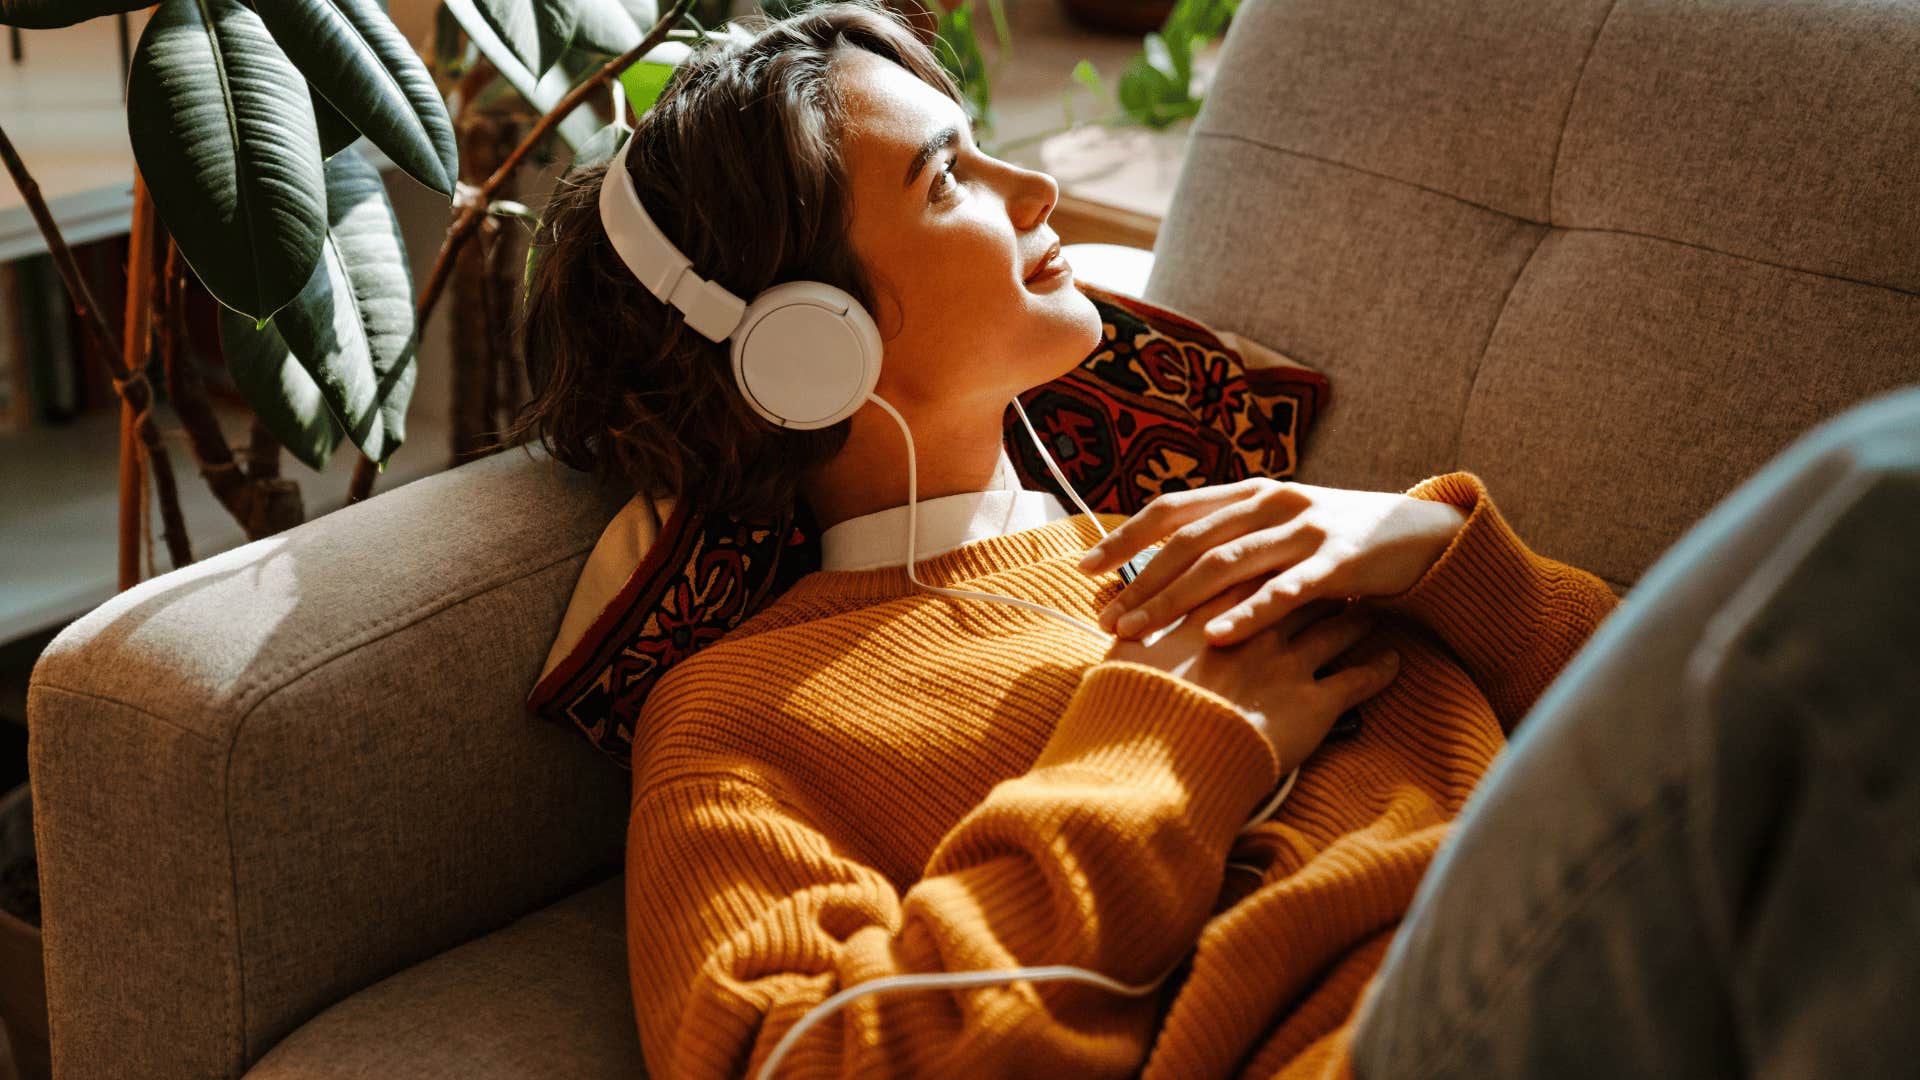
{"x": 245, "y": 118}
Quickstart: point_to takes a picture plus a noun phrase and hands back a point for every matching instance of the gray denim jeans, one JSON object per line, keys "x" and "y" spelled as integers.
{"x": 1699, "y": 855}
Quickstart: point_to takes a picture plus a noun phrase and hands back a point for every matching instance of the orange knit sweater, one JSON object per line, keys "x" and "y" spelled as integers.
{"x": 865, "y": 780}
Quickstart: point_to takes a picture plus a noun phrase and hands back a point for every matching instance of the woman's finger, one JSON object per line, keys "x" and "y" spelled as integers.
{"x": 1212, "y": 607}
{"x": 1226, "y": 599}
{"x": 1285, "y": 591}
{"x": 1181, "y": 549}
{"x": 1156, "y": 519}
{"x": 1250, "y": 557}
{"x": 1358, "y": 682}
{"x": 1320, "y": 643}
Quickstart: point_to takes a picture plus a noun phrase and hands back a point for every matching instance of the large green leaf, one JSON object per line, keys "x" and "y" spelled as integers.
{"x": 223, "y": 131}
{"x": 542, "y": 93}
{"x": 602, "y": 146}
{"x": 644, "y": 14}
{"x": 282, "y": 394}
{"x": 537, "y": 31}
{"x": 336, "y": 133}
{"x": 365, "y": 68}
{"x": 605, "y": 26}
{"x": 644, "y": 80}
{"x": 611, "y": 27}
{"x": 352, "y": 327}
{"x": 49, "y": 14}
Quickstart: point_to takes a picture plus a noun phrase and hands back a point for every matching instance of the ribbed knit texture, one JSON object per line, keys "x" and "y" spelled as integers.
{"x": 865, "y": 780}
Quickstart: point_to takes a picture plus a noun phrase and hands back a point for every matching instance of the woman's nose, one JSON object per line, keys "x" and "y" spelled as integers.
{"x": 1034, "y": 196}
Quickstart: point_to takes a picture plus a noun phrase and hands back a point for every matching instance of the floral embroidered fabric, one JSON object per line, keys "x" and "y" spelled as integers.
{"x": 1162, "y": 404}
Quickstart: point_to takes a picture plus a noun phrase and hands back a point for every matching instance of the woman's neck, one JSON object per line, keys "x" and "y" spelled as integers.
{"x": 956, "y": 453}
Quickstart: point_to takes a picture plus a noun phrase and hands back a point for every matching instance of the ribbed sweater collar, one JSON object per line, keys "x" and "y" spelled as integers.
{"x": 1067, "y": 538}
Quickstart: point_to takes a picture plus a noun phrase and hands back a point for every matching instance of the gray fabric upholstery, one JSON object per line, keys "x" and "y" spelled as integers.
{"x": 544, "y": 999}
{"x": 1611, "y": 255}
{"x": 275, "y": 776}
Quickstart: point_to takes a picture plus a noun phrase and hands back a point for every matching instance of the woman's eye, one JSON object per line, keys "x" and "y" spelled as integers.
{"x": 945, "y": 174}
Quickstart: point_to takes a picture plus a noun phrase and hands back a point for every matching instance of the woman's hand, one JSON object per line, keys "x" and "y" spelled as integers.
{"x": 1274, "y": 676}
{"x": 1298, "y": 541}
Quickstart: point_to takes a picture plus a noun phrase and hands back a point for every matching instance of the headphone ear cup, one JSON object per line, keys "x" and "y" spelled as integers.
{"x": 806, "y": 354}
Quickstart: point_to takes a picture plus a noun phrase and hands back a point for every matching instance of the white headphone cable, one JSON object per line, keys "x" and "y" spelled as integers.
{"x": 1055, "y": 470}
{"x": 928, "y": 980}
{"x": 913, "y": 518}
{"x": 989, "y": 977}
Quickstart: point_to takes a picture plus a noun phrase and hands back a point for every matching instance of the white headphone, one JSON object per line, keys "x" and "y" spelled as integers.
{"x": 807, "y": 355}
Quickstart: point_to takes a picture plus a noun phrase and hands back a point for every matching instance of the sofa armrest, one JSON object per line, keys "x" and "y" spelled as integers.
{"x": 275, "y": 776}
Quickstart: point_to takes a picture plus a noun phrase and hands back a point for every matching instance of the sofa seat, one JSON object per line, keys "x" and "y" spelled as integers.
{"x": 545, "y": 996}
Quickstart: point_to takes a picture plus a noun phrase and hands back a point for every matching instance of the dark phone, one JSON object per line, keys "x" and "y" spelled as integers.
{"x": 1132, "y": 567}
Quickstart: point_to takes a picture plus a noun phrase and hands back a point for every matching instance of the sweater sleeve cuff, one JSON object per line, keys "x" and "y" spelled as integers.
{"x": 1137, "y": 725}
{"x": 1488, "y": 594}
{"x": 1484, "y": 578}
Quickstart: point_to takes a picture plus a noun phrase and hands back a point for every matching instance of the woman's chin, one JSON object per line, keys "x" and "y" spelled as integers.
{"x": 1060, "y": 340}
{"x": 1089, "y": 329}
{"x": 1075, "y": 343}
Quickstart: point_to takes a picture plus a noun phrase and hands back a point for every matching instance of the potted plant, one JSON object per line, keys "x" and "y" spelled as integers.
{"x": 245, "y": 118}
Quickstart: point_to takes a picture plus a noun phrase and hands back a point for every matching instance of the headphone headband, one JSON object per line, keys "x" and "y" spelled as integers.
{"x": 805, "y": 353}
{"x": 659, "y": 265}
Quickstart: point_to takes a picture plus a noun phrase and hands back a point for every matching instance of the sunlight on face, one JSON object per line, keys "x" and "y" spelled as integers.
{"x": 948, "y": 248}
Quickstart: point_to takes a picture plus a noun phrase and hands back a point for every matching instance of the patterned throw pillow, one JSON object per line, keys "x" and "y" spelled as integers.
{"x": 1162, "y": 404}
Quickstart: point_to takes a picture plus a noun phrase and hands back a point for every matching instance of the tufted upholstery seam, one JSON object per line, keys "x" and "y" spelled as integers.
{"x": 1479, "y": 361}
{"x": 1578, "y": 78}
{"x": 164, "y": 721}
{"x": 1231, "y": 136}
{"x": 1560, "y": 228}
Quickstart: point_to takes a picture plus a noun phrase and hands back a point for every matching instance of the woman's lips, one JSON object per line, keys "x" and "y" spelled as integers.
{"x": 1054, "y": 269}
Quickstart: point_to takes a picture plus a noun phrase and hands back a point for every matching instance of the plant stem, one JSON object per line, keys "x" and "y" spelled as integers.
{"x": 188, "y": 392}
{"x": 77, "y": 291}
{"x": 136, "y": 404}
{"x": 130, "y": 381}
{"x": 473, "y": 205}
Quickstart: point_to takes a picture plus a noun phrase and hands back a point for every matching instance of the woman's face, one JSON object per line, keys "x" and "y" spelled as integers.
{"x": 948, "y": 246}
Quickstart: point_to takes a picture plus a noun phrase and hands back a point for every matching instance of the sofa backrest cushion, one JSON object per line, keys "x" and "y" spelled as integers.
{"x": 1610, "y": 255}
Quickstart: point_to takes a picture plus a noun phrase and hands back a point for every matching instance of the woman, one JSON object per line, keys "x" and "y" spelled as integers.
{"x": 867, "y": 780}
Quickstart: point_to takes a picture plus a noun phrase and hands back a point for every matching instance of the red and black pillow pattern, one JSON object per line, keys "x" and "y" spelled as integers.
{"x": 1162, "y": 404}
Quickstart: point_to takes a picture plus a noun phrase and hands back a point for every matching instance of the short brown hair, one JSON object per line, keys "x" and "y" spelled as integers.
{"x": 738, "y": 162}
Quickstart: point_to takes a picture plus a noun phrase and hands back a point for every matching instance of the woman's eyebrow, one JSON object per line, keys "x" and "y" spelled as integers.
{"x": 940, "y": 141}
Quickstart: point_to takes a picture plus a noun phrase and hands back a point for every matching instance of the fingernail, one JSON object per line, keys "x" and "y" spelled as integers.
{"x": 1391, "y": 659}
{"x": 1090, "y": 559}
{"x": 1131, "y": 621}
{"x": 1219, "y": 626}
{"x": 1105, "y": 618}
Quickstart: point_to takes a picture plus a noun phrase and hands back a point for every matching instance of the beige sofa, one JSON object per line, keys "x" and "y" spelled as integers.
{"x": 1609, "y": 254}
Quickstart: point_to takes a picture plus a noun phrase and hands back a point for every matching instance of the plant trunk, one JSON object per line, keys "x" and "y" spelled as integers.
{"x": 480, "y": 339}
{"x": 277, "y": 505}
{"x": 133, "y": 487}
